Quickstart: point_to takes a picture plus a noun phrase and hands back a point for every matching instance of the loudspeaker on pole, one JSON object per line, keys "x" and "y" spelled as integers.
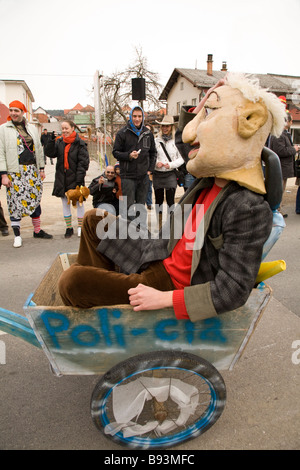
{"x": 138, "y": 89}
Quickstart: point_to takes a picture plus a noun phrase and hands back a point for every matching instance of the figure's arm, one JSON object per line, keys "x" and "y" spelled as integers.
{"x": 245, "y": 228}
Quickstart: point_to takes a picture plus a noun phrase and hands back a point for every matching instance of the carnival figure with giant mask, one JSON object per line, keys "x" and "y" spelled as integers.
{"x": 210, "y": 266}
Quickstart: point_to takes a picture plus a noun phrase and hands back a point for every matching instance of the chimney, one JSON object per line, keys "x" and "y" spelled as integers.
{"x": 224, "y": 67}
{"x": 209, "y": 64}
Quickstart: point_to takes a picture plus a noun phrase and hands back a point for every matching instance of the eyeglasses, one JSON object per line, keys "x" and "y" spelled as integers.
{"x": 110, "y": 172}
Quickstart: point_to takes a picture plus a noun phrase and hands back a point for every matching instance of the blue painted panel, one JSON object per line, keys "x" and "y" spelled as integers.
{"x": 91, "y": 341}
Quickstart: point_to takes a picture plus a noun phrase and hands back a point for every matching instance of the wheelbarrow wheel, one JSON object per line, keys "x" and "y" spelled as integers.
{"x": 158, "y": 400}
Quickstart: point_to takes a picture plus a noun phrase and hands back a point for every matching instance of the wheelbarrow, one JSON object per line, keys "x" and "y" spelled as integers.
{"x": 160, "y": 379}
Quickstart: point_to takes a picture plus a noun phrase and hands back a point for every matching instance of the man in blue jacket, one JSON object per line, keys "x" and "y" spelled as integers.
{"x": 134, "y": 148}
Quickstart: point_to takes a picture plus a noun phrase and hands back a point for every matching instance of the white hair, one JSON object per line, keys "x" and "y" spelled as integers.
{"x": 252, "y": 91}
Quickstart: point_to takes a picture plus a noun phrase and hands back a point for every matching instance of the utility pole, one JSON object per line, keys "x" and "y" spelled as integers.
{"x": 104, "y": 113}
{"x": 97, "y": 105}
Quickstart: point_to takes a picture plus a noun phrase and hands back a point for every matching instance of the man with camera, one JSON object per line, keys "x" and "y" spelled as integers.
{"x": 104, "y": 188}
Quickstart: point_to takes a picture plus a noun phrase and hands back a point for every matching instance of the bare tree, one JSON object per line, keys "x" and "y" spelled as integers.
{"x": 139, "y": 69}
{"x": 116, "y": 92}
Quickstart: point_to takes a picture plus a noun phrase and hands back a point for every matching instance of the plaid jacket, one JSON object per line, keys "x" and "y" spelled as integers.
{"x": 226, "y": 260}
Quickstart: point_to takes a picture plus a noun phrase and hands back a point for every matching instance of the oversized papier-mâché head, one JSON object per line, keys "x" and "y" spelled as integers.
{"x": 230, "y": 129}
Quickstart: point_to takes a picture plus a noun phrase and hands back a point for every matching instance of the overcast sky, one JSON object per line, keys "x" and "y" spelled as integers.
{"x": 56, "y": 46}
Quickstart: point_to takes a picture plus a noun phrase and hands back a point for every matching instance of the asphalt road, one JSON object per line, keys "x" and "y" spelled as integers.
{"x": 41, "y": 411}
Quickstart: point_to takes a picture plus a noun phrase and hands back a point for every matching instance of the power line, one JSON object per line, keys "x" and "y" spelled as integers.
{"x": 44, "y": 75}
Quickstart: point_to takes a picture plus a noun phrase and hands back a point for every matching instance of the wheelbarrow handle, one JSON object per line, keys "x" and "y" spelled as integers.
{"x": 17, "y": 325}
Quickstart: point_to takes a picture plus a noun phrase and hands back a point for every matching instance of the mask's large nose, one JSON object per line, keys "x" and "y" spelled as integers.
{"x": 190, "y": 131}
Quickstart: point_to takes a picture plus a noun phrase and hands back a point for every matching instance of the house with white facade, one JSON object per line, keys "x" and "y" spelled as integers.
{"x": 43, "y": 116}
{"x": 186, "y": 87}
{"x": 11, "y": 90}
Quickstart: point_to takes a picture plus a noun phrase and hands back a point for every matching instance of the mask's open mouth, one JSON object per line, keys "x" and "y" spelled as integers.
{"x": 194, "y": 150}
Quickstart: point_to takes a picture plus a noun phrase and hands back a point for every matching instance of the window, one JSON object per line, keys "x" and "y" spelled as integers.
{"x": 181, "y": 85}
{"x": 194, "y": 101}
{"x": 296, "y": 136}
{"x": 178, "y": 107}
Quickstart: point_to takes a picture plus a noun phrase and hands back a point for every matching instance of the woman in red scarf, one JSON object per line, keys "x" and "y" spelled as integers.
{"x": 71, "y": 167}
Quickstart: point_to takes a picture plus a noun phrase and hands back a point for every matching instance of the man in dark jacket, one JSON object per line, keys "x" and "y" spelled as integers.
{"x": 134, "y": 148}
{"x": 45, "y": 137}
{"x": 286, "y": 152}
{"x": 104, "y": 188}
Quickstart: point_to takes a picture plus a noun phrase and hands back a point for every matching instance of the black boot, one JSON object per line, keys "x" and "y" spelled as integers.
{"x": 69, "y": 232}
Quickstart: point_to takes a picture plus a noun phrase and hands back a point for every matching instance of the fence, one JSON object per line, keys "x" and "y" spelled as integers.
{"x": 94, "y": 151}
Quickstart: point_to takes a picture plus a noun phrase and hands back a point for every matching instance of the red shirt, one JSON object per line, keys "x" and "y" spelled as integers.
{"x": 179, "y": 263}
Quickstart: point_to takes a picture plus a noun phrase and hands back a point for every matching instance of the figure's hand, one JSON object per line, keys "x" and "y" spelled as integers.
{"x": 42, "y": 174}
{"x": 159, "y": 164}
{"x": 6, "y": 181}
{"x": 147, "y": 298}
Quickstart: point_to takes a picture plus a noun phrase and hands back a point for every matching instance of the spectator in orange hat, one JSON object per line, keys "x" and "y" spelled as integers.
{"x": 22, "y": 170}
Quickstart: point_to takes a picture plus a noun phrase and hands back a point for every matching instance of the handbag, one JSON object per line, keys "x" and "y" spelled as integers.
{"x": 179, "y": 172}
{"x": 297, "y": 166}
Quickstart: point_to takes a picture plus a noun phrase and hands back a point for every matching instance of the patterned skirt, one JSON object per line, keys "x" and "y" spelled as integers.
{"x": 25, "y": 193}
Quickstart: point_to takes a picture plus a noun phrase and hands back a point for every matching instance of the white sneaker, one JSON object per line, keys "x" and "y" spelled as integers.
{"x": 79, "y": 231}
{"x": 17, "y": 242}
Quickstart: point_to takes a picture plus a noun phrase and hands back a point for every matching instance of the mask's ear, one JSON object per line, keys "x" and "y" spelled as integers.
{"x": 251, "y": 117}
